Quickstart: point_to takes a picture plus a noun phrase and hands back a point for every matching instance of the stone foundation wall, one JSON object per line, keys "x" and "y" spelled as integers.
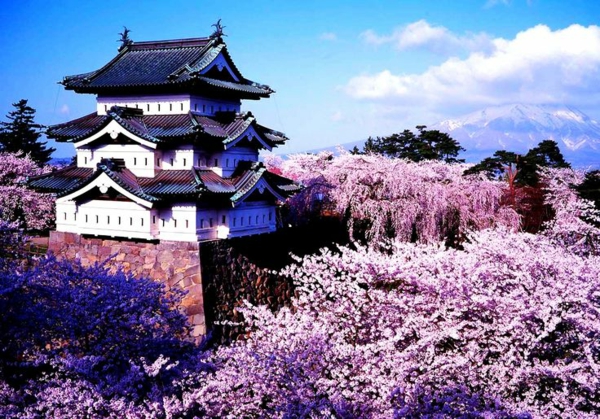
{"x": 229, "y": 278}
{"x": 176, "y": 264}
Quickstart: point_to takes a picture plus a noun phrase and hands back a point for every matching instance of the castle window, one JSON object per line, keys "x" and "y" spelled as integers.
{"x": 170, "y": 106}
{"x": 203, "y": 108}
{"x": 223, "y": 220}
{"x": 119, "y": 220}
{"x": 130, "y": 221}
{"x": 202, "y": 223}
{"x": 75, "y": 217}
{"x": 145, "y": 161}
{"x": 108, "y": 219}
{"x": 270, "y": 216}
{"x": 195, "y": 106}
{"x": 171, "y": 162}
{"x": 86, "y": 218}
{"x": 227, "y": 162}
{"x": 105, "y": 108}
{"x": 256, "y": 222}
{"x": 216, "y": 162}
{"x": 154, "y": 219}
{"x": 65, "y": 215}
{"x": 135, "y": 161}
{"x": 148, "y": 107}
{"x": 210, "y": 222}
{"x": 142, "y": 222}
{"x": 174, "y": 223}
{"x": 242, "y": 221}
{"x": 85, "y": 160}
{"x": 249, "y": 220}
{"x": 184, "y": 162}
{"x": 234, "y": 220}
{"x": 97, "y": 219}
{"x": 159, "y": 107}
{"x": 263, "y": 218}
{"x": 158, "y": 161}
{"x": 187, "y": 223}
{"x": 163, "y": 222}
{"x": 181, "y": 105}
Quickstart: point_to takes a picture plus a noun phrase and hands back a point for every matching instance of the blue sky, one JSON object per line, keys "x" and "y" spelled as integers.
{"x": 342, "y": 69}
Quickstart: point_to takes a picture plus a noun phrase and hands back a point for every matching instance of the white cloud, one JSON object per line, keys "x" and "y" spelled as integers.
{"x": 537, "y": 66}
{"x": 421, "y": 34}
{"x": 328, "y": 36}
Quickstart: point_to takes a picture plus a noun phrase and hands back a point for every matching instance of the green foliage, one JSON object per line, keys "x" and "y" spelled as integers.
{"x": 427, "y": 145}
{"x": 545, "y": 154}
{"x": 21, "y": 134}
{"x": 590, "y": 188}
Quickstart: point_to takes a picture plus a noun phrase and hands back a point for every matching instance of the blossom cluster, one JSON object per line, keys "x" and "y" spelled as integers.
{"x": 388, "y": 197}
{"x": 32, "y": 210}
{"x": 508, "y": 326}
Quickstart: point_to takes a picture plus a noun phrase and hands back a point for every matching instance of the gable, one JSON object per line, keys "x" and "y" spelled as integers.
{"x": 221, "y": 64}
{"x": 114, "y": 130}
{"x": 249, "y": 134}
{"x": 103, "y": 183}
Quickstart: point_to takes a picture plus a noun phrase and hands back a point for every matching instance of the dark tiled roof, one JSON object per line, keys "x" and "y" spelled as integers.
{"x": 78, "y": 128}
{"x": 126, "y": 179}
{"x": 172, "y": 182}
{"x": 157, "y": 128}
{"x": 167, "y": 184}
{"x": 164, "y": 64}
{"x": 60, "y": 180}
{"x": 215, "y": 183}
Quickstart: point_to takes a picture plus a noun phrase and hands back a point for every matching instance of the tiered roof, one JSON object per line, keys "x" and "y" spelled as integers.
{"x": 226, "y": 129}
{"x": 182, "y": 65}
{"x": 196, "y": 183}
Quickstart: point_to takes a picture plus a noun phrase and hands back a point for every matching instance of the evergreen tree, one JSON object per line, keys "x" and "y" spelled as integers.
{"x": 21, "y": 134}
{"x": 427, "y": 145}
{"x": 545, "y": 154}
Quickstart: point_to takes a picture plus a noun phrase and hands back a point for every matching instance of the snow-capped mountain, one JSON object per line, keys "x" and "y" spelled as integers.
{"x": 520, "y": 127}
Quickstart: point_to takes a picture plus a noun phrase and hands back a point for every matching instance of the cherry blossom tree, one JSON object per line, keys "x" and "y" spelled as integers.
{"x": 506, "y": 328}
{"x": 576, "y": 220}
{"x": 30, "y": 209}
{"x": 426, "y": 201}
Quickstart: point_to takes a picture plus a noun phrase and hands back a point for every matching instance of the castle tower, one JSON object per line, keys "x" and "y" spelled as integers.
{"x": 168, "y": 153}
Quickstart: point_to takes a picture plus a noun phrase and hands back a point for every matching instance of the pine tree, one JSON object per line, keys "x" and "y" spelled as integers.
{"x": 21, "y": 134}
{"x": 427, "y": 145}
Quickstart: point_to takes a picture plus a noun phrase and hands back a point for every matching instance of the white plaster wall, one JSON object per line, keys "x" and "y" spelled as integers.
{"x": 178, "y": 159}
{"x": 252, "y": 218}
{"x": 177, "y": 223}
{"x": 141, "y": 160}
{"x": 115, "y": 219}
{"x": 66, "y": 216}
{"x": 224, "y": 163}
{"x": 167, "y": 104}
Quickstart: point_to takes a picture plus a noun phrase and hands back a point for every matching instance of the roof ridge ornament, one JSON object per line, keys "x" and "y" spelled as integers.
{"x": 218, "y": 33}
{"x": 125, "y": 39}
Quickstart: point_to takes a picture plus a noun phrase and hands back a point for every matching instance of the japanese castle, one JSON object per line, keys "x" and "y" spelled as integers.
{"x": 168, "y": 154}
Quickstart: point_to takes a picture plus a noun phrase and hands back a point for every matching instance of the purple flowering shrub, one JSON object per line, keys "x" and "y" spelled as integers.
{"x": 69, "y": 331}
